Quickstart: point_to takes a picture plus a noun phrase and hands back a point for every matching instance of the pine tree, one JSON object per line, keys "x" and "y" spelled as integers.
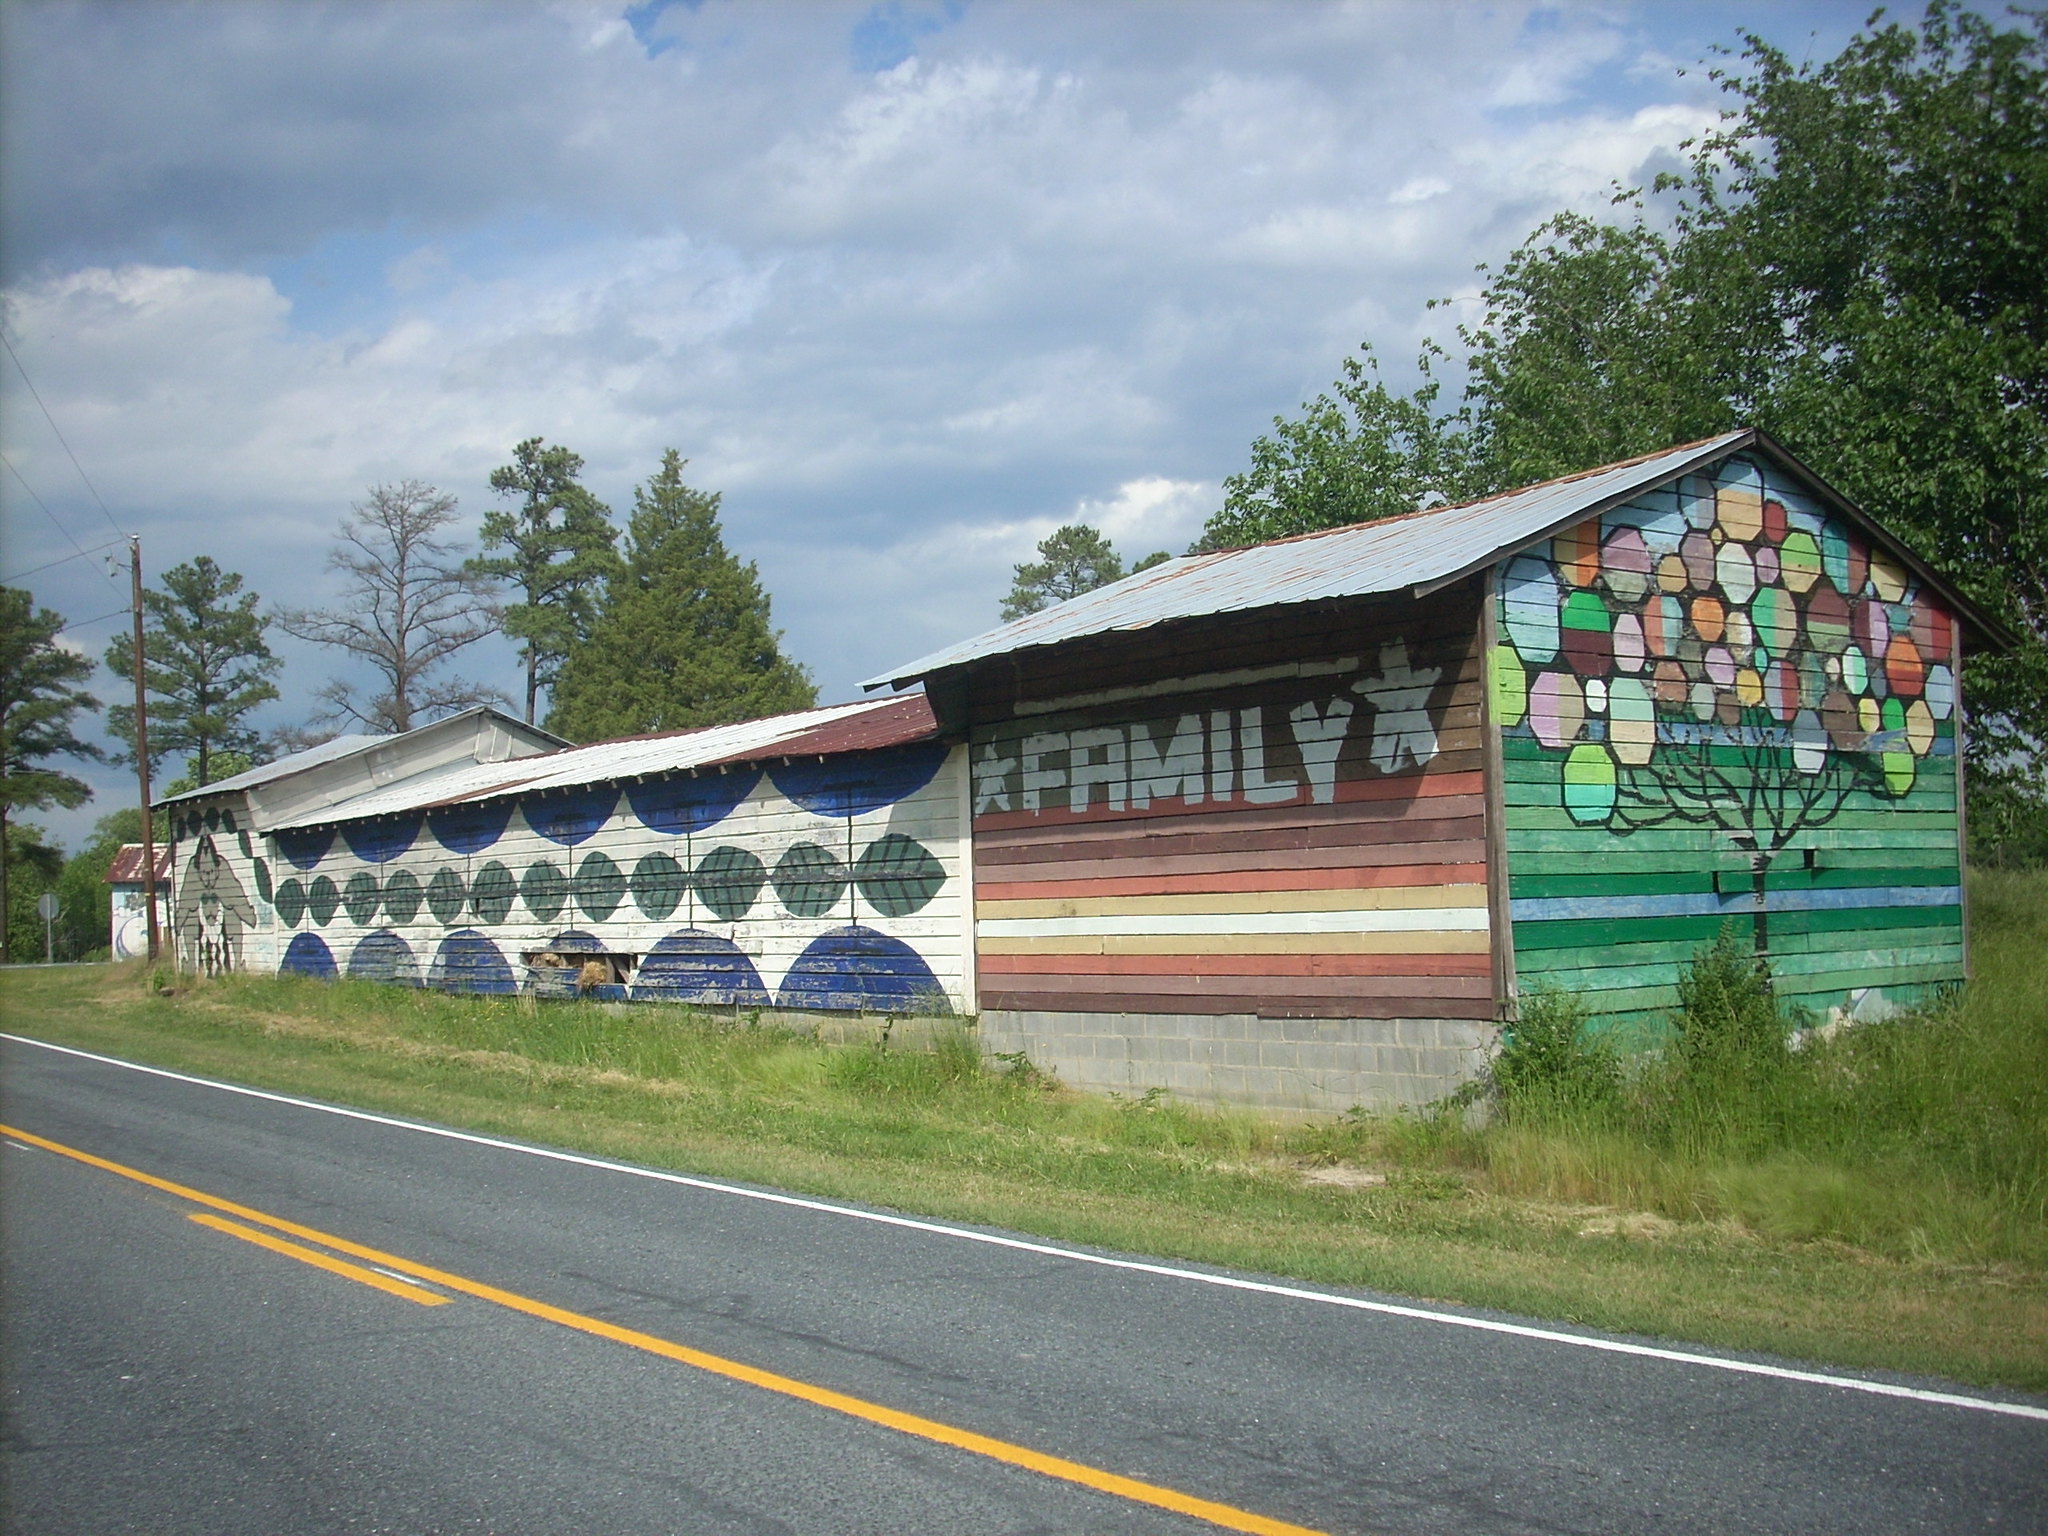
{"x": 559, "y": 552}
{"x": 1071, "y": 560}
{"x": 682, "y": 635}
{"x": 205, "y": 663}
{"x": 38, "y": 697}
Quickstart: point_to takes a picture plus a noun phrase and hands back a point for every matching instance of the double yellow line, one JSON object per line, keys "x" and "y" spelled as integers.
{"x": 1225, "y": 1516}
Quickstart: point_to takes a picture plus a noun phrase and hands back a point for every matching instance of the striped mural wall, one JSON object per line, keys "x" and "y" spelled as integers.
{"x": 1721, "y": 675}
{"x": 1287, "y": 821}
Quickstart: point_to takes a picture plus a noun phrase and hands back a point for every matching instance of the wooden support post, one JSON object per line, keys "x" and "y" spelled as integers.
{"x": 142, "y": 753}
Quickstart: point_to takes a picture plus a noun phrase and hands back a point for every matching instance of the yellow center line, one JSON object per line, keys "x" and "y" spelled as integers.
{"x": 1226, "y": 1516}
{"x": 319, "y": 1260}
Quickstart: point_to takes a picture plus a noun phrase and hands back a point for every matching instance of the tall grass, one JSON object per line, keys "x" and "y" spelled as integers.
{"x": 1924, "y": 1135}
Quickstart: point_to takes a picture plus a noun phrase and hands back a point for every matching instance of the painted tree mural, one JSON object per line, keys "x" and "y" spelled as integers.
{"x": 1727, "y": 655}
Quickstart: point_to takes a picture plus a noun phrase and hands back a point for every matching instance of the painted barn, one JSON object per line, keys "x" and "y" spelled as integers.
{"x": 810, "y": 861}
{"x": 1295, "y": 824}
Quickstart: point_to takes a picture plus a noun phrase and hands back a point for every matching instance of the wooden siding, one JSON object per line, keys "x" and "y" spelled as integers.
{"x": 803, "y": 895}
{"x": 1717, "y": 677}
{"x": 1276, "y": 814}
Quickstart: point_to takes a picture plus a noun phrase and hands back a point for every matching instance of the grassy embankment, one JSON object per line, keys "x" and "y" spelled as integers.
{"x": 1880, "y": 1199}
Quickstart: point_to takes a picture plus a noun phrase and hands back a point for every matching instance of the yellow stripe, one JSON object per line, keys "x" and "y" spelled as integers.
{"x": 1431, "y": 942}
{"x": 333, "y": 1265}
{"x": 1226, "y": 1516}
{"x": 1385, "y": 898}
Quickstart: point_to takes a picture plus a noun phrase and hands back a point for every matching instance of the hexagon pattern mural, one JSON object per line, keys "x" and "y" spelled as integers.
{"x": 1715, "y": 703}
{"x": 833, "y": 884}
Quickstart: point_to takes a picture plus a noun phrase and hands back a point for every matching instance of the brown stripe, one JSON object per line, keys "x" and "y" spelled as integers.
{"x": 1105, "y": 865}
{"x": 1402, "y": 796}
{"x": 1293, "y": 988}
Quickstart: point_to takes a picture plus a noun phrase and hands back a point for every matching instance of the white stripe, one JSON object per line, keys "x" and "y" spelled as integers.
{"x": 1355, "y": 920}
{"x": 1077, "y": 1256}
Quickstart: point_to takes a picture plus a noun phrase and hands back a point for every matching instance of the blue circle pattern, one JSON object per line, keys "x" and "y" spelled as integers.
{"x": 380, "y": 841}
{"x": 308, "y": 955}
{"x": 572, "y": 818}
{"x": 383, "y": 956}
{"x": 858, "y": 782}
{"x": 856, "y": 968}
{"x": 304, "y": 847}
{"x": 688, "y": 804}
{"x": 697, "y": 967}
{"x": 471, "y": 827}
{"x": 469, "y": 962}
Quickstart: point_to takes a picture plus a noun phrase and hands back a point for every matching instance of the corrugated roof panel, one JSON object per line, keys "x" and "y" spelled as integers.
{"x": 1420, "y": 549}
{"x": 863, "y": 725}
{"x": 127, "y": 866}
{"x": 297, "y": 762}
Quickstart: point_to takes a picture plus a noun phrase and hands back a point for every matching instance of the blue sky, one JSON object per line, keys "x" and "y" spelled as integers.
{"x": 909, "y": 284}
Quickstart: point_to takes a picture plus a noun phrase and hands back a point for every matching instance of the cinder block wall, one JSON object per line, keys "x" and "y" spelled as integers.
{"x": 1301, "y": 1066}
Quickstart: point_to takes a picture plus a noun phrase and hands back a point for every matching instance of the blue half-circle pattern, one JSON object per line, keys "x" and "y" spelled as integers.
{"x": 856, "y": 782}
{"x": 550, "y": 981}
{"x": 570, "y": 819}
{"x": 304, "y": 846}
{"x": 471, "y": 827}
{"x": 696, "y": 967}
{"x": 856, "y": 968}
{"x": 307, "y": 955}
{"x": 383, "y": 956}
{"x": 690, "y": 804}
{"x": 380, "y": 841}
{"x": 469, "y": 962}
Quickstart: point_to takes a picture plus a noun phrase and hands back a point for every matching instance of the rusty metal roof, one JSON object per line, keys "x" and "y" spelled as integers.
{"x": 1417, "y": 552}
{"x": 127, "y": 866}
{"x": 861, "y": 726}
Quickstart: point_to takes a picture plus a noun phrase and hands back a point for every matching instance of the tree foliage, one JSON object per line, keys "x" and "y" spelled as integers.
{"x": 1856, "y": 261}
{"x": 558, "y": 544}
{"x": 205, "y": 666}
{"x": 39, "y": 695}
{"x": 409, "y": 605}
{"x": 681, "y": 634}
{"x": 1071, "y": 560}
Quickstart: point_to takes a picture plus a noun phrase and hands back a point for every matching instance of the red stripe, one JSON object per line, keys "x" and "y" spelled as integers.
{"x": 1397, "y": 786}
{"x": 1235, "y": 965}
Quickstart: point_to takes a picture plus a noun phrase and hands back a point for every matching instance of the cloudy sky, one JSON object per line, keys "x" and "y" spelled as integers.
{"x": 909, "y": 284}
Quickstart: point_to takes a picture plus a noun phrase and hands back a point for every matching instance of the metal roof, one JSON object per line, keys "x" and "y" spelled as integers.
{"x": 127, "y": 866}
{"x": 297, "y": 762}
{"x": 1418, "y": 552}
{"x": 861, "y": 726}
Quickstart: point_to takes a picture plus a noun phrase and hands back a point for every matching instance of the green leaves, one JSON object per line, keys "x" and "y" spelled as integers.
{"x": 1071, "y": 560}
{"x": 205, "y": 664}
{"x": 681, "y": 635}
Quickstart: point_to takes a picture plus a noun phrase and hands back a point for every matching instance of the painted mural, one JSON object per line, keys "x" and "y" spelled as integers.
{"x": 1300, "y": 838}
{"x": 830, "y": 884}
{"x": 1719, "y": 701}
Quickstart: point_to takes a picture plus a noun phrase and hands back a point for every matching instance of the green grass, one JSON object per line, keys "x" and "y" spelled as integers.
{"x": 1878, "y": 1202}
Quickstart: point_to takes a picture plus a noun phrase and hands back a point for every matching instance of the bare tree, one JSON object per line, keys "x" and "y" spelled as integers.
{"x": 407, "y": 607}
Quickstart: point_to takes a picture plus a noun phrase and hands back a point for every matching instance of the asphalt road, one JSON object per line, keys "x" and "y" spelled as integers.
{"x": 163, "y": 1374}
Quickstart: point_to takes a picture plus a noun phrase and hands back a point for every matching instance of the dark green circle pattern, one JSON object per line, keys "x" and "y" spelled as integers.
{"x": 728, "y": 880}
{"x": 263, "y": 880}
{"x": 600, "y": 887}
{"x": 359, "y": 898}
{"x": 492, "y": 893}
{"x": 898, "y": 875}
{"x": 809, "y": 879}
{"x": 322, "y": 897}
{"x": 445, "y": 895}
{"x": 402, "y": 896}
{"x": 546, "y": 891}
{"x": 290, "y": 902}
{"x": 658, "y": 885}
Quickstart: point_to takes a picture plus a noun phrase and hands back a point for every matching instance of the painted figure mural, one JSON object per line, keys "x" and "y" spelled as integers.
{"x": 212, "y": 911}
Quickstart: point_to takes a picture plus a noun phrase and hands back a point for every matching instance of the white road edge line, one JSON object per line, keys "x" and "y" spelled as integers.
{"x": 1078, "y": 1256}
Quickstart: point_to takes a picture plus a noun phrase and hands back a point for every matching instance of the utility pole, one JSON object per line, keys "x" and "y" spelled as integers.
{"x": 142, "y": 752}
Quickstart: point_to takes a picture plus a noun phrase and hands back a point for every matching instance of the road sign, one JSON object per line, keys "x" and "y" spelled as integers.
{"x": 46, "y": 906}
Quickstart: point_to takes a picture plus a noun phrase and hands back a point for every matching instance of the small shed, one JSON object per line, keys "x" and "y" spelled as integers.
{"x": 1296, "y": 824}
{"x": 128, "y": 920}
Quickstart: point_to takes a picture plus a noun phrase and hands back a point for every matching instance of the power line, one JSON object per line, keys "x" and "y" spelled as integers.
{"x": 119, "y": 613}
{"x": 8, "y": 581}
{"x": 32, "y": 496}
{"x": 4, "y": 342}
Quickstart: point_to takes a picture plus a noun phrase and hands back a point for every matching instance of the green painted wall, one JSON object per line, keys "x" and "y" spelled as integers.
{"x": 1714, "y": 672}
